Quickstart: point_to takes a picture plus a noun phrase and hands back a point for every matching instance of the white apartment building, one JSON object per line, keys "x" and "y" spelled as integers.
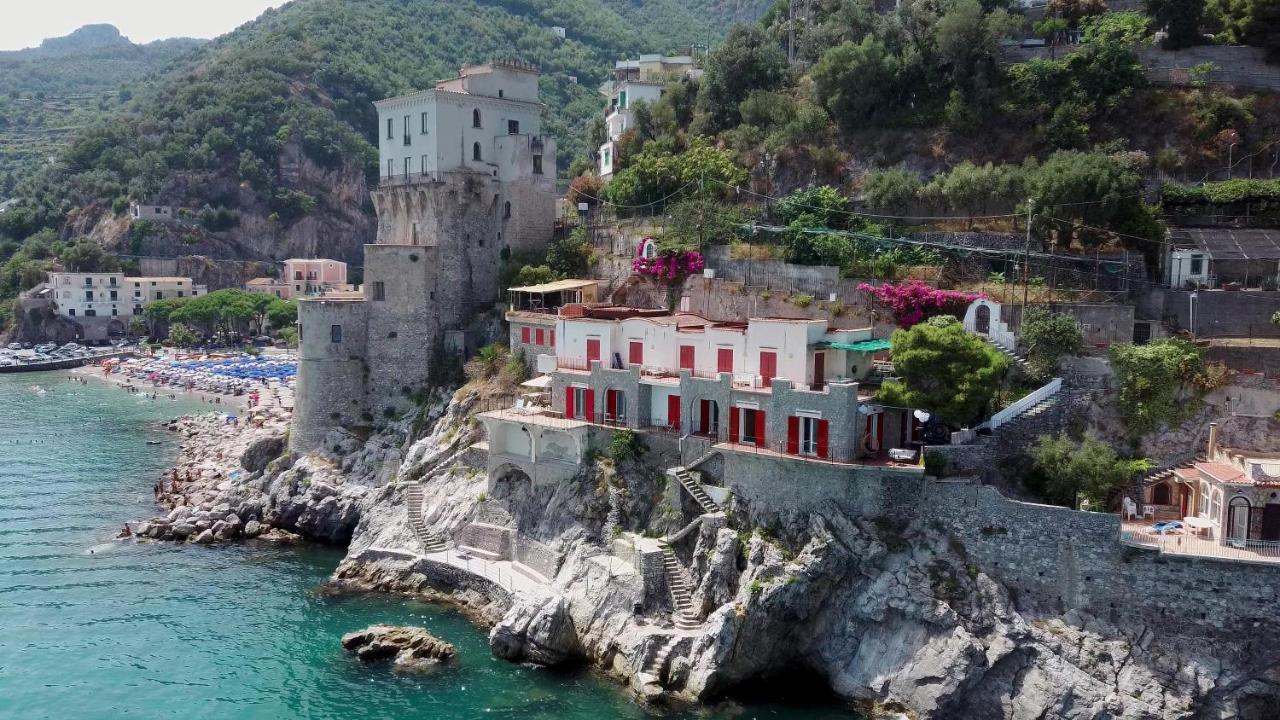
{"x": 88, "y": 295}
{"x": 642, "y": 79}
{"x": 488, "y": 119}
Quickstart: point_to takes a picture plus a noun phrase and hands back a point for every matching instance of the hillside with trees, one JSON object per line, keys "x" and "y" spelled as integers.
{"x": 49, "y": 92}
{"x": 264, "y": 138}
{"x": 924, "y": 111}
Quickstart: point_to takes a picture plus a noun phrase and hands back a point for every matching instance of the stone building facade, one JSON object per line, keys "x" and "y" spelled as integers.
{"x": 446, "y": 222}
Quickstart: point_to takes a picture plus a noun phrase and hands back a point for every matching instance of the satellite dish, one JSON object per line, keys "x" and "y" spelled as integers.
{"x": 921, "y": 415}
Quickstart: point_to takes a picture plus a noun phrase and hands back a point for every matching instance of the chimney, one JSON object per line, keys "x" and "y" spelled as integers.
{"x": 1213, "y": 440}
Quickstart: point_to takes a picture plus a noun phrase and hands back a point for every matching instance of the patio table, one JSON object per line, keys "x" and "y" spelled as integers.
{"x": 1197, "y": 523}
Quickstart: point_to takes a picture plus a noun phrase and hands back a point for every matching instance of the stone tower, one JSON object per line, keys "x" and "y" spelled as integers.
{"x": 462, "y": 185}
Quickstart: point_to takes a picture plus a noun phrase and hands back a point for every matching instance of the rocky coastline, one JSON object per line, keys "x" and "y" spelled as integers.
{"x": 897, "y": 618}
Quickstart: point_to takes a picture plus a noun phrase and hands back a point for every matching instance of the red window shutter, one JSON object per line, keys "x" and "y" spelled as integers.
{"x": 686, "y": 357}
{"x": 524, "y": 335}
{"x": 635, "y": 353}
{"x": 880, "y": 431}
{"x": 611, "y": 402}
{"x": 568, "y": 402}
{"x": 823, "y": 450}
{"x": 593, "y": 350}
{"x": 553, "y": 339}
{"x": 768, "y": 367}
{"x": 793, "y": 435}
{"x": 589, "y": 412}
{"x": 733, "y": 424}
{"x": 759, "y": 428}
{"x": 539, "y": 335}
{"x": 673, "y": 411}
{"x": 724, "y": 360}
{"x": 704, "y": 422}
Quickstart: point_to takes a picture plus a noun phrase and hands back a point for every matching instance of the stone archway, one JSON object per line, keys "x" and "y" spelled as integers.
{"x": 115, "y": 329}
{"x": 982, "y": 319}
{"x": 704, "y": 417}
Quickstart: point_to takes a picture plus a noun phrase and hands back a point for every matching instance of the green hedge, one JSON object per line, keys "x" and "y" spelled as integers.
{"x": 1223, "y": 192}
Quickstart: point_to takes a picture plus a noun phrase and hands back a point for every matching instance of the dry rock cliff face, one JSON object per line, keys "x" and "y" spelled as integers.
{"x": 890, "y": 613}
{"x": 341, "y": 223}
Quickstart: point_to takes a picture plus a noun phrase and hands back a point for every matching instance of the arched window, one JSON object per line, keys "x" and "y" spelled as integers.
{"x": 475, "y": 152}
{"x": 475, "y": 118}
{"x": 506, "y": 212}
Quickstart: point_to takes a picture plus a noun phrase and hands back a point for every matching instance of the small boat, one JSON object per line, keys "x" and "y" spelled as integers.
{"x": 153, "y": 442}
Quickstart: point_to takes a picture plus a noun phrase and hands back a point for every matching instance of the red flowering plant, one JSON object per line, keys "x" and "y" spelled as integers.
{"x": 666, "y": 264}
{"x": 913, "y": 301}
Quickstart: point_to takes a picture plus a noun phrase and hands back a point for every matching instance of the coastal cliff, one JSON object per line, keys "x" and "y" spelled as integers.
{"x": 897, "y": 614}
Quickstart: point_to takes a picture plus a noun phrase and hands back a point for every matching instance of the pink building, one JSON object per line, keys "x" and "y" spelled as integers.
{"x": 303, "y": 277}
{"x": 312, "y": 277}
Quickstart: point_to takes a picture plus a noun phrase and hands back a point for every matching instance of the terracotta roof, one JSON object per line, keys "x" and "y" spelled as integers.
{"x": 1221, "y": 472}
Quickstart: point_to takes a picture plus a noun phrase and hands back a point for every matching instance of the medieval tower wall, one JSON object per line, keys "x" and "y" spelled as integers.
{"x": 461, "y": 187}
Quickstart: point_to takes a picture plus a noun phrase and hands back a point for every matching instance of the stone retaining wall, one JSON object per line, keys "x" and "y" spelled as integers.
{"x": 489, "y": 538}
{"x": 537, "y": 556}
{"x": 1061, "y": 559}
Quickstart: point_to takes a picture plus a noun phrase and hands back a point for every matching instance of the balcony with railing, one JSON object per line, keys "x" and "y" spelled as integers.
{"x": 1192, "y": 542}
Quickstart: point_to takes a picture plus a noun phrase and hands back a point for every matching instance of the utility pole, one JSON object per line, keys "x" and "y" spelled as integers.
{"x": 1026, "y": 256}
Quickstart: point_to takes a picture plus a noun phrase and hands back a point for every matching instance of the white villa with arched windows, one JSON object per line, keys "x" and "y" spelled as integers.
{"x": 1231, "y": 499}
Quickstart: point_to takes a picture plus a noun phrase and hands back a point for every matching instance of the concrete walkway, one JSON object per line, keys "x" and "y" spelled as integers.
{"x": 500, "y": 572}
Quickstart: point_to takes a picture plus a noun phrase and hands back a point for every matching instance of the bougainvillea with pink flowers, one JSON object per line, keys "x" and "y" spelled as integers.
{"x": 914, "y": 301}
{"x": 670, "y": 264}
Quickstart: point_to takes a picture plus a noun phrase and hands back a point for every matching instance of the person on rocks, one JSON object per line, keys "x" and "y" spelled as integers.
{"x": 125, "y": 533}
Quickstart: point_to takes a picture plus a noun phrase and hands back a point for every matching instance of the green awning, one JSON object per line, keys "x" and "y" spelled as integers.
{"x": 863, "y": 346}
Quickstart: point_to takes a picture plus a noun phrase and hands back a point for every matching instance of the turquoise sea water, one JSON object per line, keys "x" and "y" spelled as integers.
{"x": 94, "y": 628}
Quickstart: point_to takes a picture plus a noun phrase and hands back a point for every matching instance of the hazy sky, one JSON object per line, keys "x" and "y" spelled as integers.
{"x": 26, "y": 23}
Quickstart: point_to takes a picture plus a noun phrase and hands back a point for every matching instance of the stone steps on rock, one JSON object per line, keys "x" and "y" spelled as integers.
{"x": 681, "y": 598}
{"x": 656, "y": 665}
{"x": 431, "y": 541}
{"x": 695, "y": 490}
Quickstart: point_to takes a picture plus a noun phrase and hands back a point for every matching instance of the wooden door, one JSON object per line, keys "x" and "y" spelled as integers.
{"x": 768, "y": 367}
{"x": 1271, "y": 522}
{"x": 673, "y": 412}
{"x": 819, "y": 370}
{"x": 704, "y": 421}
{"x": 686, "y": 357}
{"x": 724, "y": 360}
{"x": 593, "y": 350}
{"x": 982, "y": 320}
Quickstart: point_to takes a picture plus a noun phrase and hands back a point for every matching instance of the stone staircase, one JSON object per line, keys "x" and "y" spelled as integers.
{"x": 681, "y": 599}
{"x": 1038, "y": 409}
{"x": 656, "y": 665}
{"x": 695, "y": 490}
{"x": 431, "y": 541}
{"x": 1015, "y": 357}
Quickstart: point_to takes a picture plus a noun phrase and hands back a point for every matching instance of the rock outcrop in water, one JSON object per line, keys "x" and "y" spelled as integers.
{"x": 407, "y": 648}
{"x": 896, "y": 616}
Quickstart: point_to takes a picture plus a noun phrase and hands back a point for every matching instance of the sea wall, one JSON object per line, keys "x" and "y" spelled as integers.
{"x": 1063, "y": 559}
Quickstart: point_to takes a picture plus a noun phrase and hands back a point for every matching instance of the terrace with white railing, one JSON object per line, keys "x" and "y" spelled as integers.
{"x": 1189, "y": 542}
